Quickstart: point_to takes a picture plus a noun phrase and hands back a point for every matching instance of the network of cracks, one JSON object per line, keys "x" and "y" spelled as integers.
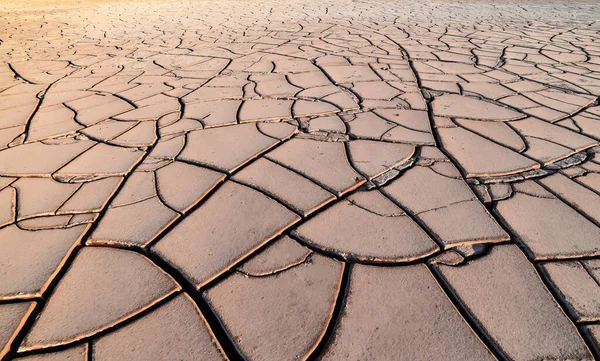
{"x": 286, "y": 181}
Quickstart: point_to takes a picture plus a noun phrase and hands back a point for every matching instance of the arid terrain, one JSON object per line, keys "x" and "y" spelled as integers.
{"x": 286, "y": 180}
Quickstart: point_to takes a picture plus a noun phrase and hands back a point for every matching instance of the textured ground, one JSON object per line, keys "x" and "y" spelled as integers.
{"x": 272, "y": 180}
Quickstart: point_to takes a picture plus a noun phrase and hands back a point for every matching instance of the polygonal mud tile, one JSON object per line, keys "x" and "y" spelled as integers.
{"x": 401, "y": 313}
{"x": 232, "y": 223}
{"x": 593, "y": 267}
{"x": 38, "y": 196}
{"x": 309, "y": 79}
{"x": 180, "y": 126}
{"x": 265, "y": 109}
{"x": 351, "y": 73}
{"x": 375, "y": 90}
{"x": 487, "y": 90}
{"x": 543, "y": 224}
{"x": 8, "y": 197}
{"x": 277, "y": 130}
{"x": 102, "y": 159}
{"x": 206, "y": 93}
{"x": 168, "y": 147}
{"x": 553, "y": 133}
{"x": 102, "y": 287}
{"x": 107, "y": 130}
{"x": 368, "y": 125}
{"x": 446, "y": 205}
{"x": 142, "y": 135}
{"x": 180, "y": 185}
{"x": 463, "y": 223}
{"x": 39, "y": 158}
{"x": 499, "y": 132}
{"x": 29, "y": 259}
{"x": 417, "y": 120}
{"x": 16, "y": 116}
{"x": 324, "y": 162}
{"x": 402, "y": 134}
{"x": 138, "y": 186}
{"x": 577, "y": 287}
{"x": 7, "y": 135}
{"x": 282, "y": 316}
{"x": 11, "y": 317}
{"x": 214, "y": 112}
{"x": 506, "y": 296}
{"x": 588, "y": 125}
{"x": 479, "y": 157}
{"x": 271, "y": 85}
{"x": 278, "y": 256}
{"x": 579, "y": 197}
{"x": 329, "y": 123}
{"x": 174, "y": 331}
{"x": 369, "y": 227}
{"x": 75, "y": 353}
{"x": 143, "y": 91}
{"x": 132, "y": 224}
{"x": 545, "y": 151}
{"x": 421, "y": 189}
{"x": 148, "y": 113}
{"x": 305, "y": 108}
{"x": 449, "y": 67}
{"x": 453, "y": 105}
{"x": 226, "y": 148}
{"x": 373, "y": 158}
{"x": 51, "y": 121}
{"x": 44, "y": 222}
{"x": 93, "y": 114}
{"x": 91, "y": 196}
{"x": 591, "y": 180}
{"x": 293, "y": 189}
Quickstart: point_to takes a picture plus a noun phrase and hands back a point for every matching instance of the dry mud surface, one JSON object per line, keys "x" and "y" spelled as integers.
{"x": 285, "y": 180}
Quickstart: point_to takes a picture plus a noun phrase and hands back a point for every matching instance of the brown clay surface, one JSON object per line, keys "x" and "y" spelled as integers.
{"x": 299, "y": 180}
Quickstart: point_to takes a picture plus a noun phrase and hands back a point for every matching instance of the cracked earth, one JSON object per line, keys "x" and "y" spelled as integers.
{"x": 270, "y": 180}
